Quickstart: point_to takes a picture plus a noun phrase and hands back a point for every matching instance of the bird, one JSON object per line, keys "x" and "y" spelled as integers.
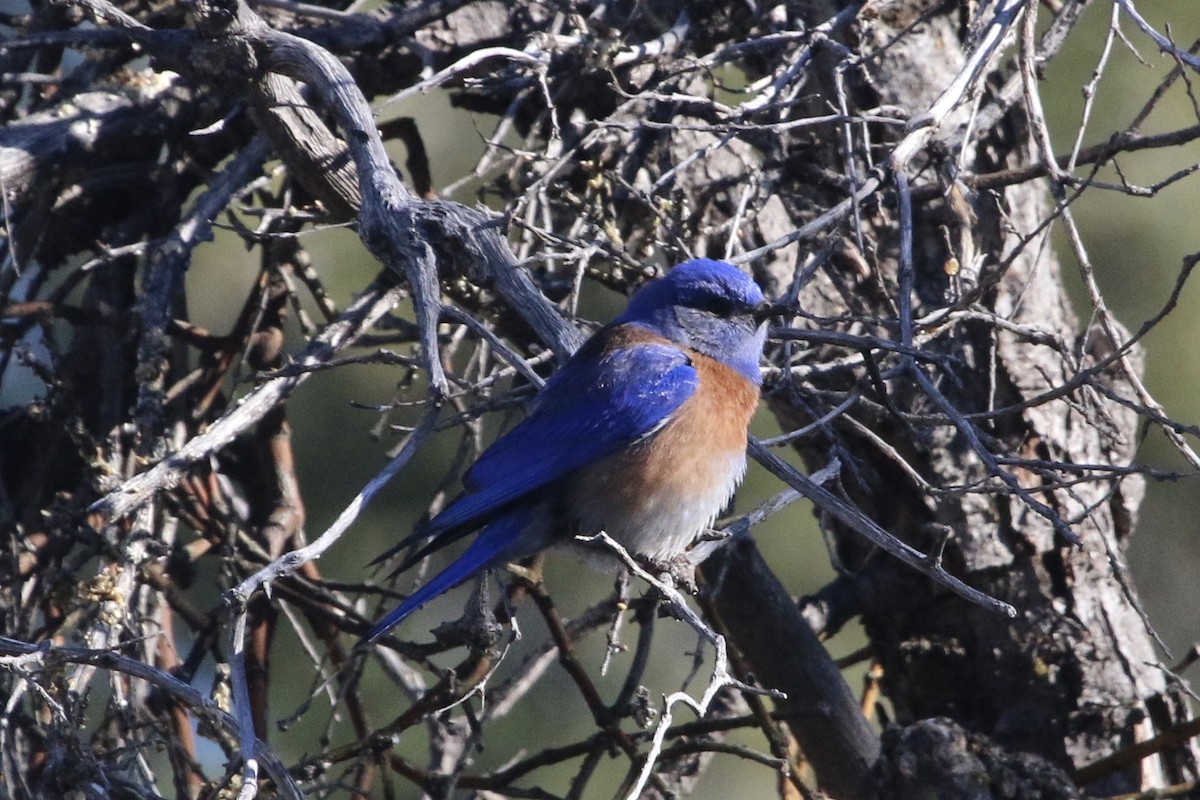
{"x": 640, "y": 434}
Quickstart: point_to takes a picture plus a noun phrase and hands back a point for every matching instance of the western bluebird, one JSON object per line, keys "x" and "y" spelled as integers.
{"x": 641, "y": 434}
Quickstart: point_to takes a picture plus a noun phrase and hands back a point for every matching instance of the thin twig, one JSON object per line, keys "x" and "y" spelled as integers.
{"x": 859, "y": 522}
{"x": 48, "y": 657}
{"x": 721, "y": 677}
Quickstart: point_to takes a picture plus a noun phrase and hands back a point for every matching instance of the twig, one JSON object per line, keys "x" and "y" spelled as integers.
{"x": 1164, "y": 44}
{"x": 967, "y": 429}
{"x": 292, "y": 561}
{"x": 721, "y": 678}
{"x": 242, "y": 708}
{"x": 1168, "y": 739}
{"x": 1181, "y": 790}
{"x": 48, "y": 657}
{"x": 467, "y": 62}
{"x": 168, "y": 261}
{"x": 859, "y": 522}
{"x": 338, "y": 335}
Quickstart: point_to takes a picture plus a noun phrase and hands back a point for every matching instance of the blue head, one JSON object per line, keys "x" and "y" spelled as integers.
{"x": 709, "y": 306}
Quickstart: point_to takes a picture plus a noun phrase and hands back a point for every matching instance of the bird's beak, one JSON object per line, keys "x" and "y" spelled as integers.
{"x": 768, "y": 310}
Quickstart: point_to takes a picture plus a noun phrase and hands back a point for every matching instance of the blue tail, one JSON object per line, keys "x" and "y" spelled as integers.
{"x": 499, "y": 542}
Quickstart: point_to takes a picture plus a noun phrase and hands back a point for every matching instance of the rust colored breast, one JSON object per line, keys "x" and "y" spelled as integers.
{"x": 659, "y": 495}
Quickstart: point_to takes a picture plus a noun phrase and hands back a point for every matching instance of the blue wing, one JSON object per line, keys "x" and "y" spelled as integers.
{"x": 499, "y": 542}
{"x": 603, "y": 399}
{"x": 591, "y": 408}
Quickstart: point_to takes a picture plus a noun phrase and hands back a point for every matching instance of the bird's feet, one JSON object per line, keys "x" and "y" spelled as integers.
{"x": 679, "y": 571}
{"x": 709, "y": 535}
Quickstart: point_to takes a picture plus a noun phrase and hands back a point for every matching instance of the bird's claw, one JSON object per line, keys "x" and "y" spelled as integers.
{"x": 677, "y": 572}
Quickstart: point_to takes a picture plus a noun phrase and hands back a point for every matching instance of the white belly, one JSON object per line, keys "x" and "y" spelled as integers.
{"x": 655, "y": 513}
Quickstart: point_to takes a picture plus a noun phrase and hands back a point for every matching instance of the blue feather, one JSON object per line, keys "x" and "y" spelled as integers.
{"x": 500, "y": 542}
{"x": 575, "y": 421}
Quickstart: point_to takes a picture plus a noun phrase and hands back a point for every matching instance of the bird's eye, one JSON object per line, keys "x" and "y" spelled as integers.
{"x": 717, "y": 305}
